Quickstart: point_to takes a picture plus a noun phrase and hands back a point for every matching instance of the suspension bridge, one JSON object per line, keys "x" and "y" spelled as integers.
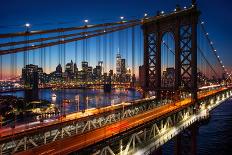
{"x": 169, "y": 58}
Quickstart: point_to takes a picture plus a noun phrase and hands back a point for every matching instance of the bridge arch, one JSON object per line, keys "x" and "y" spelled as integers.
{"x": 167, "y": 60}
{"x": 183, "y": 26}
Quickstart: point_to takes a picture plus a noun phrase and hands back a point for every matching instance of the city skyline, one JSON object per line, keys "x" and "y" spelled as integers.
{"x": 115, "y": 15}
{"x": 115, "y": 77}
{"x": 33, "y": 74}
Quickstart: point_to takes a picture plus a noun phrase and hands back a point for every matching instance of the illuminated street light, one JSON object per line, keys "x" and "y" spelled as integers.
{"x": 121, "y": 17}
{"x": 145, "y": 14}
{"x": 86, "y": 20}
{"x": 27, "y": 25}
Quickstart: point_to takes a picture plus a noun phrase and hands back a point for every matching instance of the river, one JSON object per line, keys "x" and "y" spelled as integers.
{"x": 85, "y": 98}
{"x": 215, "y": 136}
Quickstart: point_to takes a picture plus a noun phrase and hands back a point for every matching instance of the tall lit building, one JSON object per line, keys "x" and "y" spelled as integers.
{"x": 84, "y": 66}
{"x": 69, "y": 70}
{"x": 141, "y": 76}
{"x": 123, "y": 66}
{"x": 89, "y": 73}
{"x": 168, "y": 77}
{"x": 30, "y": 76}
{"x": 56, "y": 75}
{"x": 75, "y": 68}
{"x": 97, "y": 72}
{"x": 118, "y": 64}
{"x": 59, "y": 69}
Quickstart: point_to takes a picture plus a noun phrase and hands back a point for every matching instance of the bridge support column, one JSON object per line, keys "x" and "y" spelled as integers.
{"x": 157, "y": 151}
{"x": 178, "y": 144}
{"x": 189, "y": 145}
{"x": 194, "y": 139}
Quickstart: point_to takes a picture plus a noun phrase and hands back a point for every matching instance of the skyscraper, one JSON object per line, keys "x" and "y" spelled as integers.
{"x": 84, "y": 66}
{"x": 30, "y": 76}
{"x": 69, "y": 70}
{"x": 118, "y": 64}
{"x": 97, "y": 72}
{"x": 123, "y": 66}
{"x": 75, "y": 68}
{"x": 141, "y": 76}
{"x": 59, "y": 69}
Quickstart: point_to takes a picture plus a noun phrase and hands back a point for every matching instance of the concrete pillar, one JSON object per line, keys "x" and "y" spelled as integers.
{"x": 194, "y": 139}
{"x": 178, "y": 145}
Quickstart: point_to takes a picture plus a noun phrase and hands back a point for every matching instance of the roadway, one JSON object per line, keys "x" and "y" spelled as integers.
{"x": 77, "y": 142}
{"x": 34, "y": 126}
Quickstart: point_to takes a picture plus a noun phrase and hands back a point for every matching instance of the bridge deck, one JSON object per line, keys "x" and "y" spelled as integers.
{"x": 24, "y": 129}
{"x": 78, "y": 142}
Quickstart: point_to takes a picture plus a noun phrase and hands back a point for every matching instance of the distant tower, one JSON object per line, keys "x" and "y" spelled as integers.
{"x": 118, "y": 63}
{"x": 123, "y": 66}
{"x": 75, "y": 68}
{"x": 100, "y": 63}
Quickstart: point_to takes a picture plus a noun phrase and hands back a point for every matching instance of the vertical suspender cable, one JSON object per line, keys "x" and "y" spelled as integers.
{"x": 1, "y": 67}
{"x": 76, "y": 51}
{"x": 111, "y": 50}
{"x": 133, "y": 55}
{"x": 50, "y": 59}
{"x": 83, "y": 47}
{"x": 104, "y": 53}
{"x": 126, "y": 47}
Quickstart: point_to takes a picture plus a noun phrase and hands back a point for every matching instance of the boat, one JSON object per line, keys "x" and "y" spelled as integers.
{"x": 66, "y": 101}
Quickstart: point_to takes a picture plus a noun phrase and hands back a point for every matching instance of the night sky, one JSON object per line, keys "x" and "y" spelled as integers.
{"x": 46, "y": 14}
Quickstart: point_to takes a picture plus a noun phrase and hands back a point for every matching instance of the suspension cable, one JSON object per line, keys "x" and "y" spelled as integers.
{"x": 212, "y": 47}
{"x": 18, "y": 34}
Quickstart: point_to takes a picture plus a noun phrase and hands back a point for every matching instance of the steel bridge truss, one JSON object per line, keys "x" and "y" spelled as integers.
{"x": 147, "y": 138}
{"x": 66, "y": 129}
{"x": 25, "y": 141}
{"x": 183, "y": 26}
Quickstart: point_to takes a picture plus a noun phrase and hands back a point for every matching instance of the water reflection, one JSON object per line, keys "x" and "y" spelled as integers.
{"x": 70, "y": 100}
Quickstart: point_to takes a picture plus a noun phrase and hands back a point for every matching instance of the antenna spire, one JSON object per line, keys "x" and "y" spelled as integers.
{"x": 118, "y": 51}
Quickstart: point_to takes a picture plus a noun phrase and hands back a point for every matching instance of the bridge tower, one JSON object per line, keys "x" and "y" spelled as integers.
{"x": 182, "y": 23}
